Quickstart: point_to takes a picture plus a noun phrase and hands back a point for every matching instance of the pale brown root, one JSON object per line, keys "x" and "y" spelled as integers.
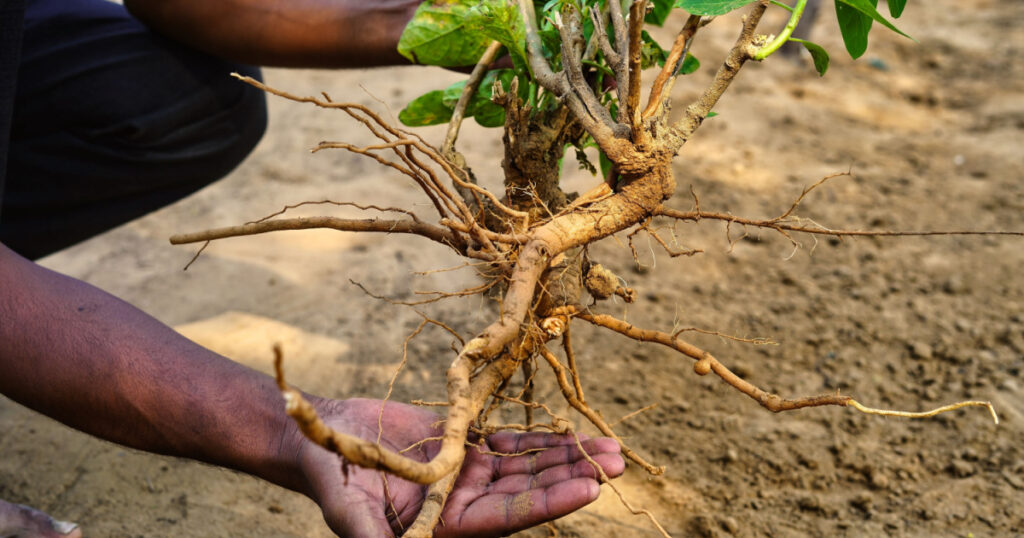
{"x": 558, "y": 428}
{"x": 289, "y": 207}
{"x": 784, "y": 226}
{"x": 433, "y": 505}
{"x": 601, "y": 192}
{"x": 527, "y": 393}
{"x": 558, "y": 423}
{"x": 497, "y": 237}
{"x": 787, "y": 222}
{"x": 926, "y": 414}
{"x": 403, "y": 143}
{"x": 651, "y": 182}
{"x": 465, "y": 400}
{"x": 391, "y": 501}
{"x": 424, "y": 403}
{"x": 394, "y": 377}
{"x": 707, "y": 363}
{"x": 671, "y": 251}
{"x": 561, "y": 233}
{"x": 622, "y": 498}
{"x": 593, "y": 416}
{"x": 421, "y": 442}
{"x": 570, "y": 357}
{"x": 438, "y": 296}
{"x": 435, "y": 233}
{"x": 634, "y": 414}
{"x": 492, "y": 375}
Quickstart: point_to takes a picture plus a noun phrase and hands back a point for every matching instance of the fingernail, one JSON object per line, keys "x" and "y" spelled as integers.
{"x": 63, "y": 527}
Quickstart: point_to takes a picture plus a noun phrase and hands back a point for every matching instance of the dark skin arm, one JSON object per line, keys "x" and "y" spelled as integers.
{"x": 285, "y": 33}
{"x": 98, "y": 364}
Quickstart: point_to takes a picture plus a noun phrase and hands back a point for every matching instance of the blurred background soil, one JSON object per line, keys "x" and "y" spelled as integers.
{"x": 933, "y": 133}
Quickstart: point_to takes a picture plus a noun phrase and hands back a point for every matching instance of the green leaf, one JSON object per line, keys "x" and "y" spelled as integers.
{"x": 690, "y": 64}
{"x": 896, "y": 7}
{"x": 584, "y": 162}
{"x": 484, "y": 111}
{"x": 450, "y": 95}
{"x": 427, "y": 109}
{"x": 711, "y": 7}
{"x": 490, "y": 116}
{"x": 867, "y": 7}
{"x": 605, "y": 163}
{"x": 651, "y": 52}
{"x": 499, "y": 20}
{"x": 854, "y": 27}
{"x": 437, "y": 35}
{"x": 659, "y": 11}
{"x": 818, "y": 54}
{"x": 480, "y": 106}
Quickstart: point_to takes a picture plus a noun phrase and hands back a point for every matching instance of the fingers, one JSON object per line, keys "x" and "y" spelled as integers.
{"x": 498, "y": 514}
{"x": 19, "y": 520}
{"x": 563, "y": 454}
{"x": 512, "y": 443}
{"x": 516, "y": 483}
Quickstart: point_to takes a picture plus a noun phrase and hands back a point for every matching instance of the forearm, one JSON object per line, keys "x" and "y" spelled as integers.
{"x": 290, "y": 33}
{"x": 98, "y": 364}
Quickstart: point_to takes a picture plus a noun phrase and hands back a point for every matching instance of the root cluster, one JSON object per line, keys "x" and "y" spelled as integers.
{"x": 532, "y": 240}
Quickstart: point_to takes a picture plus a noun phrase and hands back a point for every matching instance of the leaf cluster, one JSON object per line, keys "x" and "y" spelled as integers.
{"x": 455, "y": 33}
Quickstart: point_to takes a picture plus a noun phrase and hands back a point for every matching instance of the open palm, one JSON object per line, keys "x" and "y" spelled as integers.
{"x": 493, "y": 496}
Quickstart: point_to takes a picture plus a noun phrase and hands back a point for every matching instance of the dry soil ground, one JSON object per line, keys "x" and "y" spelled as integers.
{"x": 934, "y": 134}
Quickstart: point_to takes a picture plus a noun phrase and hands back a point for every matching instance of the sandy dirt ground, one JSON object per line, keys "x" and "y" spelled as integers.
{"x": 934, "y": 135}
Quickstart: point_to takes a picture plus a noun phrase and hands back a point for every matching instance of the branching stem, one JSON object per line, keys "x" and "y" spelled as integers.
{"x": 448, "y": 148}
{"x": 742, "y": 51}
{"x": 780, "y": 40}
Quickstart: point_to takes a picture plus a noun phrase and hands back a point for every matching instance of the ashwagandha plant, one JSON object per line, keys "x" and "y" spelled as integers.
{"x": 572, "y": 81}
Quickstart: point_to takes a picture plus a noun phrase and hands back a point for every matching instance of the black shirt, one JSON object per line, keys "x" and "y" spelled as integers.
{"x": 12, "y": 14}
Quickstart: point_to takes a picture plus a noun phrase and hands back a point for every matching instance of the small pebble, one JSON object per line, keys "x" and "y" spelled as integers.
{"x": 809, "y": 504}
{"x": 730, "y": 525}
{"x": 863, "y": 502}
{"x": 879, "y": 480}
{"x": 955, "y": 285}
{"x": 703, "y": 525}
{"x": 921, "y": 350}
{"x": 1013, "y": 480}
{"x": 960, "y": 469}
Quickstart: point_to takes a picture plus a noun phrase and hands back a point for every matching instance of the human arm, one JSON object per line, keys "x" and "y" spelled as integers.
{"x": 100, "y": 365}
{"x": 285, "y": 33}
{"x": 82, "y": 356}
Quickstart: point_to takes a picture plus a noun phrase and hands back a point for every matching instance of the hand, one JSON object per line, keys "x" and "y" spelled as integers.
{"x": 493, "y": 495}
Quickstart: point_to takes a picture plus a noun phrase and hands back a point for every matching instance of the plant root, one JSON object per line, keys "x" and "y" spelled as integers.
{"x": 707, "y": 363}
{"x": 622, "y": 498}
